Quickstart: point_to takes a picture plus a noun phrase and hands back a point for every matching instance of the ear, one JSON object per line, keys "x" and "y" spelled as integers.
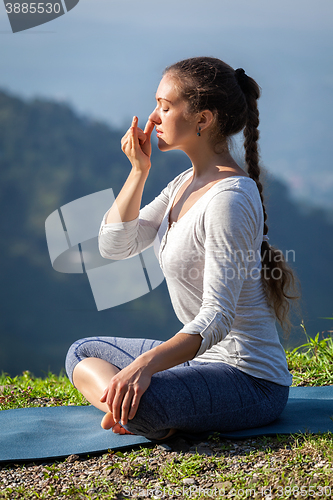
{"x": 205, "y": 119}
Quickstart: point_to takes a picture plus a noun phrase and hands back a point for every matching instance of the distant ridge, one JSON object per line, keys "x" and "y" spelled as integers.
{"x": 49, "y": 156}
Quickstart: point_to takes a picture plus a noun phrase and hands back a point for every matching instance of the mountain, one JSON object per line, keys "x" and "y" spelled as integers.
{"x": 50, "y": 156}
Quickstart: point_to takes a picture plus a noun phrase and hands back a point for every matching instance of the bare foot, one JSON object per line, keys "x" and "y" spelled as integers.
{"x": 108, "y": 423}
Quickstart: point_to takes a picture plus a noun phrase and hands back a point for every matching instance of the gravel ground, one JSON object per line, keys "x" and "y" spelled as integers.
{"x": 153, "y": 473}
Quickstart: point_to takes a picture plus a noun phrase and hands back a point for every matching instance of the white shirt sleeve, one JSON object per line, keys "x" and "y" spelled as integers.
{"x": 121, "y": 240}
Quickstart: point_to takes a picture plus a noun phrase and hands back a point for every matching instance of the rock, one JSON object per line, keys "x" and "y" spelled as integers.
{"x": 226, "y": 485}
{"x": 189, "y": 480}
{"x": 72, "y": 458}
{"x": 164, "y": 447}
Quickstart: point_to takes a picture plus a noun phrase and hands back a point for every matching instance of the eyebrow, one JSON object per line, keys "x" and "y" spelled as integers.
{"x": 163, "y": 99}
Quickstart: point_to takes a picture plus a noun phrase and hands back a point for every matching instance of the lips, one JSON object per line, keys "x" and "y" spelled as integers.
{"x": 158, "y": 132}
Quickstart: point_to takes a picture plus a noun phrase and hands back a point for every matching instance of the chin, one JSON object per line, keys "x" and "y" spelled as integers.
{"x": 163, "y": 146}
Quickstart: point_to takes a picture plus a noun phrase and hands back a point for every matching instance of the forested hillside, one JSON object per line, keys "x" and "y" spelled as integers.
{"x": 50, "y": 156}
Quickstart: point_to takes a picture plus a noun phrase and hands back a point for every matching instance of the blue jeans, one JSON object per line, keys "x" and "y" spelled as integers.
{"x": 192, "y": 397}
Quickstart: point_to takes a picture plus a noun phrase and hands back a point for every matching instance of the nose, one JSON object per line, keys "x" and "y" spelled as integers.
{"x": 155, "y": 117}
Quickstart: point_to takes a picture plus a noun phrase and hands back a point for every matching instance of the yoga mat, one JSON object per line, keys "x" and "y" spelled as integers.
{"x": 57, "y": 432}
{"x": 309, "y": 409}
{"x": 28, "y": 434}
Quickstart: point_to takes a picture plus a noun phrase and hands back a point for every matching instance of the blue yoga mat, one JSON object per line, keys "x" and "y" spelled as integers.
{"x": 57, "y": 431}
{"x": 309, "y": 409}
{"x": 28, "y": 434}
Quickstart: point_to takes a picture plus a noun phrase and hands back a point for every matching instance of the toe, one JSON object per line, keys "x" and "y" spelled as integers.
{"x": 108, "y": 421}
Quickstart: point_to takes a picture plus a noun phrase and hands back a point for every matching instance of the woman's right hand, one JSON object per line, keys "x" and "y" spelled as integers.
{"x": 136, "y": 145}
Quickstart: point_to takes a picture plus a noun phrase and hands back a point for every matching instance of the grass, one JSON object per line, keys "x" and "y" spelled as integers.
{"x": 312, "y": 362}
{"x": 296, "y": 466}
{"x": 28, "y": 391}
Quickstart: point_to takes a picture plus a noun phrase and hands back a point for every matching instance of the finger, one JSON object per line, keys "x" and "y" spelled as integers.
{"x": 149, "y": 128}
{"x": 124, "y": 143}
{"x": 126, "y": 135}
{"x": 141, "y": 136}
{"x": 134, "y": 133}
{"x": 111, "y": 392}
{"x": 134, "y": 406}
{"x": 124, "y": 139}
{"x": 125, "y": 407}
{"x": 103, "y": 398}
{"x": 116, "y": 406}
{"x": 127, "y": 138}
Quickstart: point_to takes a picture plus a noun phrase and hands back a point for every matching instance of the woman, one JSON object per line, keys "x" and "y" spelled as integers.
{"x": 226, "y": 369}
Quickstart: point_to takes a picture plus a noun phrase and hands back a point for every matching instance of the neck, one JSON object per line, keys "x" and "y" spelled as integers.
{"x": 209, "y": 165}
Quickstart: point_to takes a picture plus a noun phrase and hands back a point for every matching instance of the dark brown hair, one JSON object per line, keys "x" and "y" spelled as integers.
{"x": 231, "y": 95}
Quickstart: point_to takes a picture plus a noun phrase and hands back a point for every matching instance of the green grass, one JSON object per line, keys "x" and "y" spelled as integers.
{"x": 312, "y": 362}
{"x": 283, "y": 463}
{"x": 28, "y": 391}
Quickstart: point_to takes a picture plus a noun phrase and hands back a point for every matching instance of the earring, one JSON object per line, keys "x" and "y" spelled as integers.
{"x": 198, "y": 133}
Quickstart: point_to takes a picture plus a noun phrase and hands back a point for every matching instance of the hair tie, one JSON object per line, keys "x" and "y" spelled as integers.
{"x": 241, "y": 77}
{"x": 265, "y": 237}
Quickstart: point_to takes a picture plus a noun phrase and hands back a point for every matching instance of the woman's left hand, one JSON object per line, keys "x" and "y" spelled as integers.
{"x": 124, "y": 391}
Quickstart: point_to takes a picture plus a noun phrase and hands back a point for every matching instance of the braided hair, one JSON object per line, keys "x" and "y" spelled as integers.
{"x": 231, "y": 95}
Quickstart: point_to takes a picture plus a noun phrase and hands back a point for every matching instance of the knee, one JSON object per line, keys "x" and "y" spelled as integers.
{"x": 74, "y": 355}
{"x": 89, "y": 347}
{"x": 70, "y": 362}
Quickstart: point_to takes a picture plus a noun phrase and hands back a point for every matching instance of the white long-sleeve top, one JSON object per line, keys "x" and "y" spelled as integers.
{"x": 211, "y": 262}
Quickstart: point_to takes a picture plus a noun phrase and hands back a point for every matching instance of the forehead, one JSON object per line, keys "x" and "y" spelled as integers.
{"x": 167, "y": 89}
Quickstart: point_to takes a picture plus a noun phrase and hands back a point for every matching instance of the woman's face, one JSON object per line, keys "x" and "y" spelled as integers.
{"x": 175, "y": 128}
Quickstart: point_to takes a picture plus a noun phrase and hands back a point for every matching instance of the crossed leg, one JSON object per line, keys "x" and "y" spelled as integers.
{"x": 90, "y": 377}
{"x": 185, "y": 397}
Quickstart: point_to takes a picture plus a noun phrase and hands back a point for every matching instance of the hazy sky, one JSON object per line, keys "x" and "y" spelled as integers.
{"x": 105, "y": 58}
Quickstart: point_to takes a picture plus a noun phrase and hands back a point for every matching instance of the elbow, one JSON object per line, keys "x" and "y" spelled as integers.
{"x": 104, "y": 254}
{"x": 108, "y": 251}
{"x": 104, "y": 249}
{"x": 216, "y": 331}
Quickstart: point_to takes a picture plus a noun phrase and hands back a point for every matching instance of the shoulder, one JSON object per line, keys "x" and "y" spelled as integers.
{"x": 234, "y": 193}
{"x": 235, "y": 202}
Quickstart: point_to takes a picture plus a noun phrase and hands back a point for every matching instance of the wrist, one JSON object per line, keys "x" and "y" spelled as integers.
{"x": 139, "y": 171}
{"x": 147, "y": 363}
